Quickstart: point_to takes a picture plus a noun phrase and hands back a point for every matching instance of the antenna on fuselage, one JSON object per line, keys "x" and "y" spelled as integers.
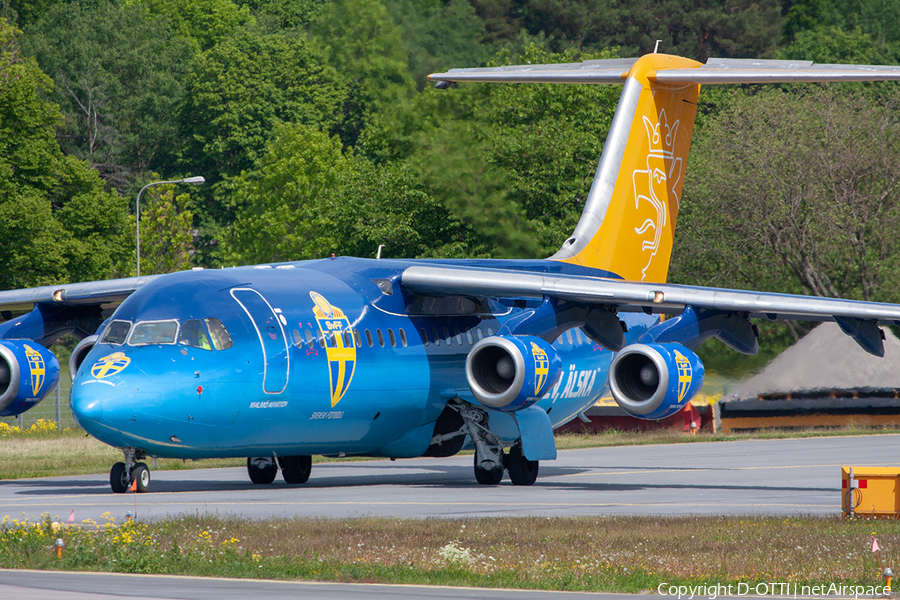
{"x": 378, "y": 254}
{"x": 656, "y": 47}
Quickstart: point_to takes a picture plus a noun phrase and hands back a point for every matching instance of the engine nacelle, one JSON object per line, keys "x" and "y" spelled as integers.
{"x": 510, "y": 372}
{"x": 27, "y": 372}
{"x": 654, "y": 381}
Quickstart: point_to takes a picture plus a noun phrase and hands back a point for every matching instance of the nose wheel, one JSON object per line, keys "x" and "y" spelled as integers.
{"x": 120, "y": 479}
{"x": 123, "y": 474}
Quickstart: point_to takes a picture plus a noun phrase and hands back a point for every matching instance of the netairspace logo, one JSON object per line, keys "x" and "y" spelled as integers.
{"x": 688, "y": 592}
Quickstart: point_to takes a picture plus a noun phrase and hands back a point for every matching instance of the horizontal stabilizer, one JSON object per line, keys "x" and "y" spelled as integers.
{"x": 715, "y": 71}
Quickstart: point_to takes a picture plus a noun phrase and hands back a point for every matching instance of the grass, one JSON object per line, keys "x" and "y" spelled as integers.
{"x": 44, "y": 451}
{"x": 617, "y": 554}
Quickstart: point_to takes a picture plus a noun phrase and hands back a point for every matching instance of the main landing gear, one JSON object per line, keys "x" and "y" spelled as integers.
{"x": 490, "y": 460}
{"x": 294, "y": 469}
{"x": 123, "y": 474}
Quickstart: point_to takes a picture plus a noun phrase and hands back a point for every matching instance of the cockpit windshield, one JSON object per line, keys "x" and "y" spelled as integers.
{"x": 116, "y": 333}
{"x": 153, "y": 332}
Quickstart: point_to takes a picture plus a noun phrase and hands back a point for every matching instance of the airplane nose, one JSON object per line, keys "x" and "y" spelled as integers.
{"x": 86, "y": 408}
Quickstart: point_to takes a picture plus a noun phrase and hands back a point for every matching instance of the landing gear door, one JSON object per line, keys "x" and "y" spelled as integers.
{"x": 271, "y": 337}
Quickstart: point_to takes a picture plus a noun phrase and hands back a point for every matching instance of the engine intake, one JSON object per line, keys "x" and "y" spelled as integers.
{"x": 509, "y": 373}
{"x": 28, "y": 371}
{"x": 654, "y": 381}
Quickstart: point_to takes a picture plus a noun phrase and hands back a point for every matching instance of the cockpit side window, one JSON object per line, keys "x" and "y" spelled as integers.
{"x": 116, "y": 333}
{"x": 221, "y": 339}
{"x": 193, "y": 334}
{"x": 153, "y": 332}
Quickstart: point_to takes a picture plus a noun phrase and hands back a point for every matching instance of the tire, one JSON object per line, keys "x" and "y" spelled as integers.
{"x": 487, "y": 476}
{"x": 142, "y": 474}
{"x": 295, "y": 469}
{"x": 262, "y": 476}
{"x": 521, "y": 470}
{"x": 119, "y": 480}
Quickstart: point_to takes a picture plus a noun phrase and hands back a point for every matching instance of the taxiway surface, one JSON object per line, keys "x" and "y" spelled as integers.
{"x": 798, "y": 476}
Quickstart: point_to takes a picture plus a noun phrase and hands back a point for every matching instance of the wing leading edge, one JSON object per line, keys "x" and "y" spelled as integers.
{"x": 73, "y": 294}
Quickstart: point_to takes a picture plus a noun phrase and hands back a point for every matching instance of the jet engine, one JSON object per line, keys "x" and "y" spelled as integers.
{"x": 27, "y": 372}
{"x": 509, "y": 373}
{"x": 80, "y": 353}
{"x": 654, "y": 381}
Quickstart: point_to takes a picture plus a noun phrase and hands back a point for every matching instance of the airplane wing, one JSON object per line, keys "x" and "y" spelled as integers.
{"x": 659, "y": 297}
{"x": 856, "y": 318}
{"x": 73, "y": 294}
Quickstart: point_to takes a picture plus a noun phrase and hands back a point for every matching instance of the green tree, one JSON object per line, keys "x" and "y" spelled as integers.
{"x": 56, "y": 221}
{"x": 204, "y": 22}
{"x": 240, "y": 89}
{"x": 796, "y": 192}
{"x": 359, "y": 39}
{"x": 166, "y": 236}
{"x": 283, "y": 206}
{"x": 119, "y": 79}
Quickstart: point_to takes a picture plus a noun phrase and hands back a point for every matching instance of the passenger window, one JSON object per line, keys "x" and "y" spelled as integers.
{"x": 480, "y": 335}
{"x": 356, "y": 337}
{"x": 402, "y": 337}
{"x": 298, "y": 339}
{"x": 369, "y": 338}
{"x": 221, "y": 339}
{"x": 393, "y": 339}
{"x": 330, "y": 338}
{"x": 458, "y": 335}
{"x": 447, "y": 336}
{"x": 116, "y": 333}
{"x": 437, "y": 340}
{"x": 309, "y": 338}
{"x": 578, "y": 339}
{"x": 490, "y": 331}
{"x": 320, "y": 337}
{"x": 569, "y": 336}
{"x": 348, "y": 339}
{"x": 153, "y": 332}
{"x": 193, "y": 334}
{"x": 380, "y": 337}
{"x": 469, "y": 336}
{"x": 424, "y": 336}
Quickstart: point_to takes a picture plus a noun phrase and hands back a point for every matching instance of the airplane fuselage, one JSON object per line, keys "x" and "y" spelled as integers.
{"x": 322, "y": 357}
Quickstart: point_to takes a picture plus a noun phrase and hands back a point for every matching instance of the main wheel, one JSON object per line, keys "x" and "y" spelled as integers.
{"x": 487, "y": 476}
{"x": 119, "y": 480}
{"x": 295, "y": 469}
{"x": 142, "y": 474}
{"x": 521, "y": 470}
{"x": 262, "y": 475}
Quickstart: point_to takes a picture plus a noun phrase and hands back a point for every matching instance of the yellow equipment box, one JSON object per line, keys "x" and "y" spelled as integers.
{"x": 870, "y": 492}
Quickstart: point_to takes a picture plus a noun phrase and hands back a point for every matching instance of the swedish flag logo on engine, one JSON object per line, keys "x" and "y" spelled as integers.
{"x": 37, "y": 368}
{"x": 541, "y": 368}
{"x": 340, "y": 347}
{"x": 685, "y": 374}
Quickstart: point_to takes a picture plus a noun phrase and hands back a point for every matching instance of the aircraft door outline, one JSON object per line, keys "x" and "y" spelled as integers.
{"x": 273, "y": 341}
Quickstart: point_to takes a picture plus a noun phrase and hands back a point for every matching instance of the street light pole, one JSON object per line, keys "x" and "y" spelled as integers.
{"x": 198, "y": 180}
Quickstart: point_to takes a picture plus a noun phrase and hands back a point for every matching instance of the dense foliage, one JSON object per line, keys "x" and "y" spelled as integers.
{"x": 314, "y": 127}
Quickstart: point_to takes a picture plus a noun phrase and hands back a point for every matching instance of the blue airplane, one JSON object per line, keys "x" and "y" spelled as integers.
{"x": 407, "y": 358}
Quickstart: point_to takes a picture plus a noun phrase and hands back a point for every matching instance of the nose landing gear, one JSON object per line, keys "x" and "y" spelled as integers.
{"x": 123, "y": 474}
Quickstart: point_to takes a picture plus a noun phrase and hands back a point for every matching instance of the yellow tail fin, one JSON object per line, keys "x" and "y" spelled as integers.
{"x": 628, "y": 223}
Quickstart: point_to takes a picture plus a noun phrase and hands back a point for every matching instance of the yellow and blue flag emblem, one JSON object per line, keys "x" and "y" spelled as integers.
{"x": 37, "y": 368}
{"x": 541, "y": 367}
{"x": 685, "y": 374}
{"x": 340, "y": 346}
{"x": 110, "y": 365}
